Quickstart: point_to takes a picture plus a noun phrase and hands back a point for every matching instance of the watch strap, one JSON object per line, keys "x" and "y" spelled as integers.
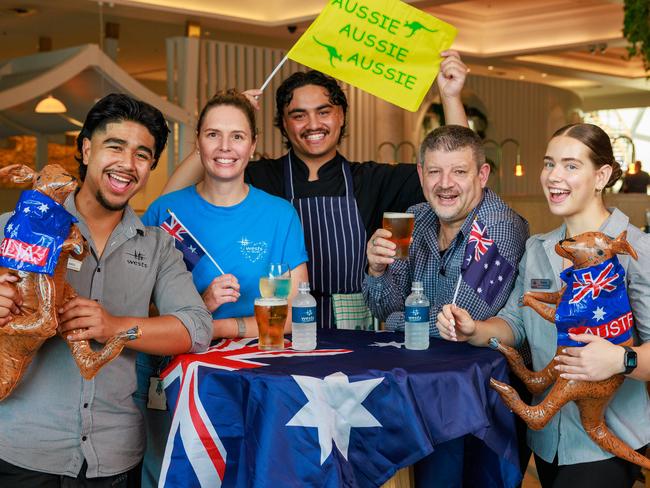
{"x": 629, "y": 360}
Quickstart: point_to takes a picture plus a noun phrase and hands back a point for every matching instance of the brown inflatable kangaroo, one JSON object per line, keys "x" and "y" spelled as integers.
{"x": 43, "y": 295}
{"x": 591, "y": 397}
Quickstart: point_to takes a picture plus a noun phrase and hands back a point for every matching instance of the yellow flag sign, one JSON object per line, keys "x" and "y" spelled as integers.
{"x": 385, "y": 47}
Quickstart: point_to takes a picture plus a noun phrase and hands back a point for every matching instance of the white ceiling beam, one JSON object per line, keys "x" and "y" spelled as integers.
{"x": 533, "y": 33}
{"x": 85, "y": 57}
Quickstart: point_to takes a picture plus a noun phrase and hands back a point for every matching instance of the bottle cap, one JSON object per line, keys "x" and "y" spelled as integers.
{"x": 417, "y": 286}
{"x": 303, "y": 286}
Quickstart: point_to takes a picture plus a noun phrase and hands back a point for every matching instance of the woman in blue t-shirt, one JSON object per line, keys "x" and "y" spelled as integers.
{"x": 244, "y": 229}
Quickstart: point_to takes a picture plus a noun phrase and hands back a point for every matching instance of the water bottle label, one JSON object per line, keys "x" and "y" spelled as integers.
{"x": 417, "y": 314}
{"x": 303, "y": 315}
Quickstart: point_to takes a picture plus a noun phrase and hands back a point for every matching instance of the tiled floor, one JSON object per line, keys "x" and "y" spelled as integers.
{"x": 531, "y": 480}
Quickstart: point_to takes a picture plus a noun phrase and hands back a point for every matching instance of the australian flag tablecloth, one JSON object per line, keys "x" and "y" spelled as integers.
{"x": 350, "y": 413}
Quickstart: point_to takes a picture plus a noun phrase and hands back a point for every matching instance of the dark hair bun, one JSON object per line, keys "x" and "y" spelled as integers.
{"x": 617, "y": 172}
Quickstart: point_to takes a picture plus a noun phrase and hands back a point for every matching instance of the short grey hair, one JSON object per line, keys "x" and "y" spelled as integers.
{"x": 450, "y": 138}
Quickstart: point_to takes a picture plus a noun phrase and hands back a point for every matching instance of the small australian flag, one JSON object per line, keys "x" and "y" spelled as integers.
{"x": 483, "y": 268}
{"x": 184, "y": 241}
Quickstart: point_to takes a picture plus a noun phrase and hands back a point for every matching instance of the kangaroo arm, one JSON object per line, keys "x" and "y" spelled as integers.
{"x": 545, "y": 311}
{"x": 75, "y": 242}
{"x": 546, "y": 297}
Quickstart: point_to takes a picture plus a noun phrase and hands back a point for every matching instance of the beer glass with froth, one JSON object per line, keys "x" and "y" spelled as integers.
{"x": 401, "y": 226}
{"x": 271, "y": 315}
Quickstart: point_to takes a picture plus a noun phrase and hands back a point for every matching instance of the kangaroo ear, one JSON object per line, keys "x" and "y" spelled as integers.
{"x": 17, "y": 173}
{"x": 621, "y": 246}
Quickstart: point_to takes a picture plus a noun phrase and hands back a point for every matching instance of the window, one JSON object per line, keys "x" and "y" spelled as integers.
{"x": 631, "y": 122}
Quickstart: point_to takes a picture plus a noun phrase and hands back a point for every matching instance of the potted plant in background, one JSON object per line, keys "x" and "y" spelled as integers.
{"x": 636, "y": 29}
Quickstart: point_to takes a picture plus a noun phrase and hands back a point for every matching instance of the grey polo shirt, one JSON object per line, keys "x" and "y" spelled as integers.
{"x": 55, "y": 419}
{"x": 627, "y": 414}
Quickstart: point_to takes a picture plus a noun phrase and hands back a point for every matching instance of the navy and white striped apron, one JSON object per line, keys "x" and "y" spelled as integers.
{"x": 335, "y": 238}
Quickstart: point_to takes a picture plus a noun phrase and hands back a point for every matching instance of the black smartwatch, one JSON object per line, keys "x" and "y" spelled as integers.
{"x": 629, "y": 360}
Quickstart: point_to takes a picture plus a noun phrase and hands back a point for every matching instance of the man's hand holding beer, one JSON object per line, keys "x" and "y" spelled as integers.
{"x": 380, "y": 252}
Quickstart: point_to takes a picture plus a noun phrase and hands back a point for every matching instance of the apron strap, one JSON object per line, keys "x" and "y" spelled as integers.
{"x": 347, "y": 176}
{"x": 288, "y": 177}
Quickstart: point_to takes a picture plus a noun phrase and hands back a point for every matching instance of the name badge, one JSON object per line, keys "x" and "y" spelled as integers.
{"x": 74, "y": 264}
{"x": 540, "y": 284}
{"x": 157, "y": 399}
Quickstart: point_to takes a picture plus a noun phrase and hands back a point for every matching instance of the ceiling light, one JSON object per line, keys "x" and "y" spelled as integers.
{"x": 521, "y": 77}
{"x": 544, "y": 75}
{"x": 192, "y": 29}
{"x": 50, "y": 105}
{"x": 490, "y": 68}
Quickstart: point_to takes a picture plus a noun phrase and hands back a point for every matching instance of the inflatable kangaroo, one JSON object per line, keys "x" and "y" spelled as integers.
{"x": 44, "y": 293}
{"x": 596, "y": 272}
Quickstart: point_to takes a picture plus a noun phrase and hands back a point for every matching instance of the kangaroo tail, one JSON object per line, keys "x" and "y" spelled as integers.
{"x": 90, "y": 361}
{"x": 607, "y": 440}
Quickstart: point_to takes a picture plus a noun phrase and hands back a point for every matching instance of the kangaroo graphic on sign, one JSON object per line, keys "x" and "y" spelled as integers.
{"x": 416, "y": 26}
{"x": 331, "y": 50}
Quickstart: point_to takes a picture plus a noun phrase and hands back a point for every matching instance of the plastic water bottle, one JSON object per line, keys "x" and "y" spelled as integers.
{"x": 303, "y": 313}
{"x": 416, "y": 315}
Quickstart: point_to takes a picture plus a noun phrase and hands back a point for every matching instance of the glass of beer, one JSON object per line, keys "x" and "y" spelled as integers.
{"x": 401, "y": 226}
{"x": 277, "y": 282}
{"x": 271, "y": 315}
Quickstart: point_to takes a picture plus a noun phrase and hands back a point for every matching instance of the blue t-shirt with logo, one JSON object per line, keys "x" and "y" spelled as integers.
{"x": 243, "y": 239}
